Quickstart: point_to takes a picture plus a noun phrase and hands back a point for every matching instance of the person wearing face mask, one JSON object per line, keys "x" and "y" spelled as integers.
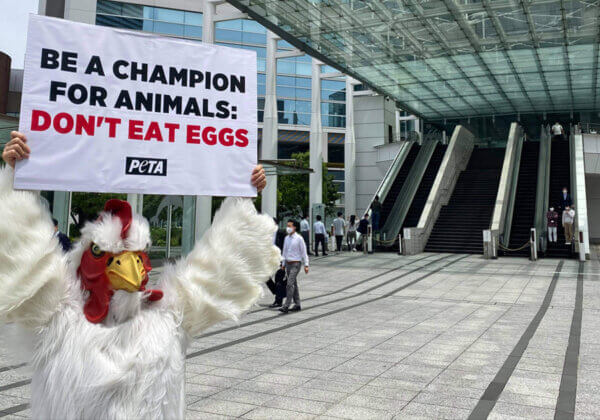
{"x": 552, "y": 218}
{"x": 568, "y": 218}
{"x": 294, "y": 254}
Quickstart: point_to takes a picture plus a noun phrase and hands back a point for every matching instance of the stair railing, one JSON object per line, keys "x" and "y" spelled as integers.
{"x": 390, "y": 175}
{"x": 395, "y": 219}
{"x": 579, "y": 195}
{"x": 505, "y": 199}
{"x": 543, "y": 187}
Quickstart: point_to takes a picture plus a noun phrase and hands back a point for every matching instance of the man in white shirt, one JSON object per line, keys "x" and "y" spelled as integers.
{"x": 294, "y": 253}
{"x": 338, "y": 230}
{"x": 320, "y": 232}
{"x": 305, "y": 232}
{"x": 558, "y": 133}
{"x": 568, "y": 217}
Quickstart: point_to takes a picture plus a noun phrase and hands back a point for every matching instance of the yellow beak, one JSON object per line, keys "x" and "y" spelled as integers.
{"x": 126, "y": 272}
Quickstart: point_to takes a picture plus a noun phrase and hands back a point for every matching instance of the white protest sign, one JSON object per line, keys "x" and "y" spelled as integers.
{"x": 108, "y": 110}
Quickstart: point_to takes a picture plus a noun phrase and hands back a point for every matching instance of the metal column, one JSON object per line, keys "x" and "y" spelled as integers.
{"x": 349, "y": 152}
{"x": 315, "y": 195}
{"x": 270, "y": 130}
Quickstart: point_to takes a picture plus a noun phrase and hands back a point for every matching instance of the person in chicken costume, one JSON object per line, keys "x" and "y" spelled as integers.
{"x": 107, "y": 347}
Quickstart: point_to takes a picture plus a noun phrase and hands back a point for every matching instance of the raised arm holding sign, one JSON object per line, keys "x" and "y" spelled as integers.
{"x": 107, "y": 344}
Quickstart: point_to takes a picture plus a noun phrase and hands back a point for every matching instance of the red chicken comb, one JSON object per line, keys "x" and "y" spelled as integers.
{"x": 121, "y": 209}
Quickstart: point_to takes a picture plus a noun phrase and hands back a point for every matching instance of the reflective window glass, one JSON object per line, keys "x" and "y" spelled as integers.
{"x": 168, "y": 15}
{"x": 192, "y": 18}
{"x": 109, "y": 7}
{"x": 192, "y": 31}
{"x": 168, "y": 28}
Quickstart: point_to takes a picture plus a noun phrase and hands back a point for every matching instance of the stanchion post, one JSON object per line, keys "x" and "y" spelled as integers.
{"x": 533, "y": 245}
{"x": 370, "y": 240}
{"x": 581, "y": 247}
{"x": 399, "y": 244}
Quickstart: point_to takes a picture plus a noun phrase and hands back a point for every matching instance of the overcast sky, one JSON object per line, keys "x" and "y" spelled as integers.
{"x": 13, "y": 28}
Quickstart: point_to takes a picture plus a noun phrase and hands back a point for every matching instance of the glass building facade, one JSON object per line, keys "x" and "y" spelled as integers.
{"x": 293, "y": 73}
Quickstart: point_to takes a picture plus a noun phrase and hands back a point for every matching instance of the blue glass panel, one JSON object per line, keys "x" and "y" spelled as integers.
{"x": 261, "y": 89}
{"x": 253, "y": 26}
{"x": 168, "y": 28}
{"x": 261, "y": 78}
{"x": 193, "y": 31}
{"x": 303, "y": 106}
{"x": 304, "y": 69}
{"x": 253, "y": 38}
{"x": 234, "y": 25}
{"x": 302, "y": 93}
{"x": 192, "y": 18}
{"x": 284, "y": 66}
{"x": 227, "y": 35}
{"x": 148, "y": 26}
{"x": 286, "y": 81}
{"x": 284, "y": 91}
{"x": 168, "y": 15}
{"x": 119, "y": 22}
{"x": 284, "y": 45}
{"x": 261, "y": 64}
{"x": 333, "y": 85}
{"x": 303, "y": 81}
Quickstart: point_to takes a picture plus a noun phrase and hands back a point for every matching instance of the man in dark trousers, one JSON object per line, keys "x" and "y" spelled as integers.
{"x": 375, "y": 213}
{"x": 64, "y": 240}
{"x": 320, "y": 232}
{"x": 565, "y": 199}
{"x": 277, "y": 284}
{"x": 363, "y": 229}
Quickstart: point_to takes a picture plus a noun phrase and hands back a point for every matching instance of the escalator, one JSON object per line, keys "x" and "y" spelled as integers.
{"x": 420, "y": 198}
{"x": 459, "y": 226}
{"x": 524, "y": 209}
{"x": 560, "y": 176}
{"x": 392, "y": 195}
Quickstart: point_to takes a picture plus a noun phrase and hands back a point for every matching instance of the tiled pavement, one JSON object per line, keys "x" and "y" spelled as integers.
{"x": 384, "y": 336}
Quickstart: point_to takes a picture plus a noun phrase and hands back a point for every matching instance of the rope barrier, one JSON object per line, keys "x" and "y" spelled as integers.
{"x": 503, "y": 248}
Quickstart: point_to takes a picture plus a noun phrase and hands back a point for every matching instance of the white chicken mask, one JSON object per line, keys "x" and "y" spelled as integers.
{"x": 113, "y": 258}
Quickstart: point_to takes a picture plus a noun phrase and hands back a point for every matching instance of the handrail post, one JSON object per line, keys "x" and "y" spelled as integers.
{"x": 533, "y": 245}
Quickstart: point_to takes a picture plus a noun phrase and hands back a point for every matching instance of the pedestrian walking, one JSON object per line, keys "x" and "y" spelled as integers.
{"x": 552, "y": 218}
{"x": 276, "y": 284}
{"x": 294, "y": 255}
{"x": 558, "y": 132}
{"x": 320, "y": 232}
{"x": 363, "y": 229}
{"x": 338, "y": 231}
{"x": 568, "y": 218}
{"x": 565, "y": 199}
{"x": 305, "y": 232}
{"x": 375, "y": 213}
{"x": 351, "y": 233}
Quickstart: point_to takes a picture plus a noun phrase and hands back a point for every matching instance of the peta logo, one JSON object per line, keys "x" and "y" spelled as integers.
{"x": 145, "y": 166}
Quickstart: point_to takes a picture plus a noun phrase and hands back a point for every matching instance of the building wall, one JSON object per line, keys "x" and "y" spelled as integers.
{"x": 592, "y": 189}
{"x": 370, "y": 131}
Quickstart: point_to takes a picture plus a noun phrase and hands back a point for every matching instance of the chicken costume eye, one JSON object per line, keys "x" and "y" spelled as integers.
{"x": 96, "y": 251}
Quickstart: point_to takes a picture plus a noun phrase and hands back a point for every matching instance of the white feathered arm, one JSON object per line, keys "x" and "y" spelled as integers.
{"x": 222, "y": 276}
{"x": 32, "y": 267}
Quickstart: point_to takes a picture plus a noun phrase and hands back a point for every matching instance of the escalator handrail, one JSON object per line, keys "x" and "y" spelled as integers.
{"x": 395, "y": 220}
{"x": 390, "y": 174}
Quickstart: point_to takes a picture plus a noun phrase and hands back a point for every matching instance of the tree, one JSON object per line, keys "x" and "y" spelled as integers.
{"x": 292, "y": 190}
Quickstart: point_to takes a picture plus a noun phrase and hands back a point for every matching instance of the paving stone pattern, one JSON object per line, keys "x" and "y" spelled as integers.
{"x": 386, "y": 336}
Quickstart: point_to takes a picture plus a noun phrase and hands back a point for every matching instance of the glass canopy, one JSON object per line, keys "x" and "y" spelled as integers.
{"x": 452, "y": 58}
